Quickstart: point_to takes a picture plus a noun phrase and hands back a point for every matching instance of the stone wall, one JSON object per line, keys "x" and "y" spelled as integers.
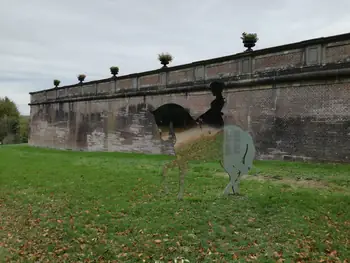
{"x": 309, "y": 120}
{"x": 294, "y": 100}
{"x": 121, "y": 124}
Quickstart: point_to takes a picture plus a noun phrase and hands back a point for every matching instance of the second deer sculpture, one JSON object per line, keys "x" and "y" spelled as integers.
{"x": 181, "y": 159}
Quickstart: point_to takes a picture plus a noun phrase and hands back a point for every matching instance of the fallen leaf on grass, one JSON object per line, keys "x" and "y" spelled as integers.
{"x": 252, "y": 256}
{"x": 277, "y": 254}
{"x": 251, "y": 220}
{"x": 122, "y": 255}
{"x": 172, "y": 249}
{"x": 124, "y": 233}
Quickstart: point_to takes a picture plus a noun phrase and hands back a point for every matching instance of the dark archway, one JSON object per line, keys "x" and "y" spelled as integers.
{"x": 173, "y": 113}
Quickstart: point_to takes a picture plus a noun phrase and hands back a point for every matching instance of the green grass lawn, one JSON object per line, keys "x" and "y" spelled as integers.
{"x": 62, "y": 206}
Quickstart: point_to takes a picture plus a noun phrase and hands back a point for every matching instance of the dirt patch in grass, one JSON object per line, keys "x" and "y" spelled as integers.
{"x": 306, "y": 183}
{"x": 291, "y": 181}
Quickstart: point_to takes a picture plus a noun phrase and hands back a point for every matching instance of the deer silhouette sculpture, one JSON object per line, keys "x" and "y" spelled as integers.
{"x": 181, "y": 158}
{"x": 239, "y": 152}
{"x": 208, "y": 123}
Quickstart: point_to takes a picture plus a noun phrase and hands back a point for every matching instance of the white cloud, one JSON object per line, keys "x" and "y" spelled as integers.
{"x": 42, "y": 40}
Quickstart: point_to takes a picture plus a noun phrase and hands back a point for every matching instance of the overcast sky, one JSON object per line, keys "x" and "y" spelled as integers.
{"x": 42, "y": 40}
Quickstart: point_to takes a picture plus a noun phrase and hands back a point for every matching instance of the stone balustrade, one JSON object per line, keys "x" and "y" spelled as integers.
{"x": 307, "y": 56}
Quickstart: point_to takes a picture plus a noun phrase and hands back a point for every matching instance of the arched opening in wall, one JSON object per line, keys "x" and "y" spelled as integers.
{"x": 175, "y": 114}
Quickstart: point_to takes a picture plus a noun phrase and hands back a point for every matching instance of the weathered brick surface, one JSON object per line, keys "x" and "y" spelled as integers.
{"x": 225, "y": 69}
{"x": 115, "y": 125}
{"x": 150, "y": 80}
{"x": 88, "y": 90}
{"x": 51, "y": 95}
{"x": 292, "y": 58}
{"x": 294, "y": 119}
{"x": 307, "y": 121}
{"x": 124, "y": 84}
{"x": 106, "y": 87}
{"x": 62, "y": 93}
{"x": 179, "y": 76}
{"x": 75, "y": 91}
{"x": 38, "y": 97}
{"x": 338, "y": 52}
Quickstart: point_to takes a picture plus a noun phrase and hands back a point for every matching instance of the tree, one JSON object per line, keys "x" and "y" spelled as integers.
{"x": 24, "y": 129}
{"x": 9, "y": 121}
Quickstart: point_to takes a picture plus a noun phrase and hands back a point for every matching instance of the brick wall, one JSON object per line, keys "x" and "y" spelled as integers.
{"x": 280, "y": 60}
{"x": 293, "y": 99}
{"x": 338, "y": 52}
{"x": 307, "y": 120}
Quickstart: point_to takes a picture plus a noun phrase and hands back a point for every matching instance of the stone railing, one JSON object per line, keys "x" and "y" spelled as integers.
{"x": 287, "y": 62}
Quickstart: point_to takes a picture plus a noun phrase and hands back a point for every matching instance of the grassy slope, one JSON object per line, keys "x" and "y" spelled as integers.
{"x": 75, "y": 206}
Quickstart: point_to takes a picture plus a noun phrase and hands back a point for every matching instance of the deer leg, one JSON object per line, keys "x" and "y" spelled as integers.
{"x": 164, "y": 177}
{"x": 228, "y": 188}
{"x": 235, "y": 185}
{"x": 182, "y": 172}
{"x": 232, "y": 185}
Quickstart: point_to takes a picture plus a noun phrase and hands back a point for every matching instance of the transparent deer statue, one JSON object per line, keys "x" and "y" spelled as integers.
{"x": 181, "y": 160}
{"x": 238, "y": 156}
{"x": 239, "y": 152}
{"x": 239, "y": 149}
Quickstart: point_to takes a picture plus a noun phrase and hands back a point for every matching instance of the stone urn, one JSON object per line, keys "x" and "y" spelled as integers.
{"x": 165, "y": 59}
{"x": 249, "y": 40}
{"x": 114, "y": 71}
{"x": 164, "y": 63}
{"x": 81, "y": 78}
{"x": 249, "y": 43}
